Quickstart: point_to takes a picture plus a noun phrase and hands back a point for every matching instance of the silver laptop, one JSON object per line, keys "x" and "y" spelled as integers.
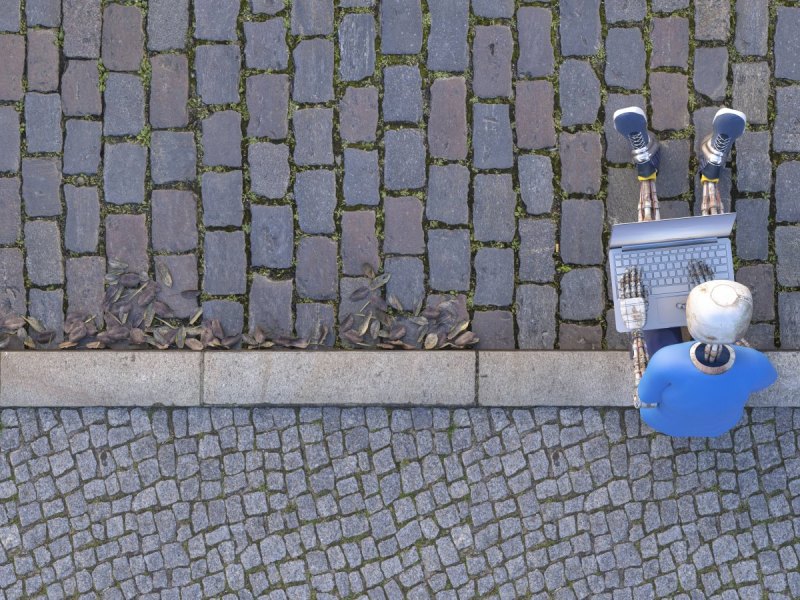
{"x": 664, "y": 249}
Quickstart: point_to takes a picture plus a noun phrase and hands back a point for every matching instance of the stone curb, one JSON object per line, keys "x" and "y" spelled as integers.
{"x": 355, "y": 378}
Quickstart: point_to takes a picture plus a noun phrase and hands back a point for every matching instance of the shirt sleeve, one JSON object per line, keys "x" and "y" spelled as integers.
{"x": 654, "y": 381}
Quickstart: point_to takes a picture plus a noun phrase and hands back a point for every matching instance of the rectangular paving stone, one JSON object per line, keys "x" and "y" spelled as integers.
{"x": 623, "y": 196}
{"x": 401, "y": 26}
{"x": 750, "y": 95}
{"x": 536, "y": 317}
{"x": 581, "y": 232}
{"x": 494, "y": 202}
{"x": 124, "y": 105}
{"x": 580, "y": 163}
{"x": 44, "y": 13}
{"x": 174, "y": 221}
{"x": 752, "y": 233}
{"x": 90, "y": 379}
{"x": 406, "y": 282}
{"x": 81, "y": 230}
{"x": 222, "y": 139}
{"x": 670, "y": 99}
{"x": 82, "y": 147}
{"x": 356, "y": 47}
{"x": 312, "y": 17}
{"x": 347, "y": 306}
{"x": 625, "y": 58}
{"x": 127, "y": 241}
{"x": 761, "y": 336}
{"x": 313, "y": 71}
{"x": 536, "y": 183}
{"x": 85, "y": 286}
{"x": 402, "y": 378}
{"x": 491, "y": 136}
{"x": 491, "y": 55}
{"x": 787, "y": 41}
{"x": 9, "y": 139}
{"x": 670, "y": 38}
{"x": 712, "y": 20}
{"x": 582, "y": 296}
{"x": 317, "y": 273}
{"x": 753, "y": 165}
{"x": 82, "y": 26}
{"x": 41, "y": 179}
{"x": 271, "y": 306}
{"x": 404, "y": 156}
{"x": 625, "y": 10}
{"x": 359, "y": 242}
{"x": 533, "y": 115}
{"x": 786, "y": 132}
{"x": 711, "y": 72}
{"x": 403, "y": 232}
{"x": 265, "y": 45}
{"x": 169, "y": 91}
{"x": 222, "y": 199}
{"x": 537, "y": 245}
{"x": 789, "y": 313}
{"x": 167, "y": 24}
{"x": 358, "y": 114}
{"x": 447, "y": 38}
{"x": 313, "y": 131}
{"x": 47, "y": 307}
{"x": 449, "y": 259}
{"x": 183, "y": 272}
{"x": 760, "y": 280}
{"x": 787, "y": 247}
{"x": 42, "y": 60}
{"x": 579, "y": 337}
{"x": 579, "y": 92}
{"x": 447, "y": 122}
{"x": 10, "y": 210}
{"x": 494, "y": 276}
{"x": 123, "y": 38}
{"x": 268, "y": 104}
{"x": 315, "y": 197}
{"x": 123, "y": 173}
{"x": 402, "y": 94}
{"x": 11, "y": 278}
{"x": 11, "y": 72}
{"x": 448, "y": 191}
{"x": 269, "y": 169}
{"x": 173, "y": 157}
{"x": 272, "y": 237}
{"x": 215, "y": 20}
{"x": 491, "y": 9}
{"x": 315, "y": 323}
{"x": 752, "y": 21}
{"x": 9, "y": 16}
{"x": 361, "y": 177}
{"x": 269, "y": 7}
{"x": 495, "y": 329}
{"x": 80, "y": 89}
{"x": 579, "y": 27}
{"x": 217, "y": 72}
{"x": 787, "y": 181}
{"x": 230, "y": 315}
{"x": 43, "y": 258}
{"x": 43, "y": 122}
{"x": 673, "y": 171}
{"x": 225, "y": 263}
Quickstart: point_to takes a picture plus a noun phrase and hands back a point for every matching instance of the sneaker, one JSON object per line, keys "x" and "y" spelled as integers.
{"x": 728, "y": 125}
{"x": 645, "y": 151}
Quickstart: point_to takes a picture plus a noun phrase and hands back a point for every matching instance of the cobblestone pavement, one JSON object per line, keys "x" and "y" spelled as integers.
{"x": 266, "y": 151}
{"x": 375, "y": 503}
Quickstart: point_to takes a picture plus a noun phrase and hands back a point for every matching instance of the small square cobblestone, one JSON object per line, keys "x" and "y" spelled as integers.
{"x": 174, "y": 227}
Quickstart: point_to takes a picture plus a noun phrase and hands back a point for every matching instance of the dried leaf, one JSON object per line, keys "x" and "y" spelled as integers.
{"x": 465, "y": 339}
{"x": 457, "y": 328}
{"x": 67, "y": 344}
{"x": 359, "y": 293}
{"x": 397, "y": 333}
{"x": 196, "y": 316}
{"x": 431, "y": 313}
{"x": 29, "y": 343}
{"x": 364, "y": 326}
{"x": 129, "y": 280}
{"x": 347, "y": 323}
{"x": 216, "y": 329}
{"x": 231, "y": 341}
{"x": 164, "y": 276}
{"x": 180, "y": 337}
{"x": 259, "y": 336}
{"x": 149, "y": 315}
{"x": 394, "y": 302}
{"x": 194, "y": 344}
{"x": 113, "y": 263}
{"x": 95, "y": 345}
{"x": 369, "y": 272}
{"x": 430, "y": 341}
{"x": 373, "y": 329}
{"x": 380, "y": 281}
{"x": 137, "y": 336}
{"x": 189, "y": 294}
{"x": 13, "y": 323}
{"x": 352, "y": 336}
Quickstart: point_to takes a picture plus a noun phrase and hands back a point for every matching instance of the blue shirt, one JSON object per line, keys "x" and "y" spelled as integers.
{"x": 693, "y": 403}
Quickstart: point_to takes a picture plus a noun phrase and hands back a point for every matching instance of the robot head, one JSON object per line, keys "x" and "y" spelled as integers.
{"x": 719, "y": 311}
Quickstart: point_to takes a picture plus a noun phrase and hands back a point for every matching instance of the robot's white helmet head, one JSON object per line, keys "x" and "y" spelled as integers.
{"x": 719, "y": 311}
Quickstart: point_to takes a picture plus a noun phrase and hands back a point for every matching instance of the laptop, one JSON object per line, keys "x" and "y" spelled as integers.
{"x": 664, "y": 249}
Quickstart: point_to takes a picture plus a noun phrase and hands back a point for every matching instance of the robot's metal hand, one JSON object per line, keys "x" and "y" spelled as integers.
{"x": 633, "y": 299}
{"x": 700, "y": 272}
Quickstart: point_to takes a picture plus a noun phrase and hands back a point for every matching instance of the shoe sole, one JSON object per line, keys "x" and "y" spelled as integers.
{"x": 621, "y": 125}
{"x": 729, "y": 122}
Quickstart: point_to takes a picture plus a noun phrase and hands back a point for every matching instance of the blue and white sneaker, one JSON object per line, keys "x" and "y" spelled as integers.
{"x": 645, "y": 149}
{"x": 728, "y": 126}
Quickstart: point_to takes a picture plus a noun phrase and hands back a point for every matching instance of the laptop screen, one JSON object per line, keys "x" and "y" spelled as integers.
{"x": 670, "y": 230}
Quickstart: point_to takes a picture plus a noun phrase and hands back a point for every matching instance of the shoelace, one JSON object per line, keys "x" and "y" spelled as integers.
{"x": 637, "y": 140}
{"x": 721, "y": 144}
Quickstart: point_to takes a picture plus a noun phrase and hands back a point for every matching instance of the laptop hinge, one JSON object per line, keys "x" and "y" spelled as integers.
{"x": 687, "y": 242}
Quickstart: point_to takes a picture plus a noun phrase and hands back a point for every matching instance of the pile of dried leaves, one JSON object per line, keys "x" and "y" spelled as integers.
{"x": 133, "y": 316}
{"x": 376, "y": 324}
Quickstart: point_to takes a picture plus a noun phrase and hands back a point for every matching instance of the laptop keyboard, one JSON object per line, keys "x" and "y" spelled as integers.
{"x": 666, "y": 270}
